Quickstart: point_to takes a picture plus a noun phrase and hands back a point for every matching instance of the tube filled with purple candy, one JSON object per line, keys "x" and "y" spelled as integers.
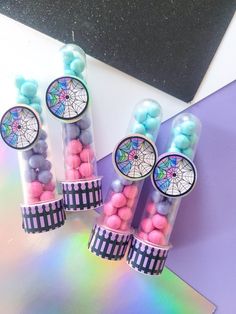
{"x": 23, "y": 128}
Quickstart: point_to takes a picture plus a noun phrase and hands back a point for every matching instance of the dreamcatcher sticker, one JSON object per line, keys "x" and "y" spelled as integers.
{"x": 174, "y": 175}
{"x": 134, "y": 158}
{"x": 20, "y": 127}
{"x": 67, "y": 98}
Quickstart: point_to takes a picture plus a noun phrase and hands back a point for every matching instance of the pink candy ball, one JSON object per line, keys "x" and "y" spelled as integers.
{"x": 118, "y": 200}
{"x": 125, "y": 213}
{"x": 143, "y": 235}
{"x": 150, "y": 208}
{"x": 124, "y": 226}
{"x": 113, "y": 222}
{"x": 49, "y": 187}
{"x": 130, "y": 203}
{"x": 47, "y": 196}
{"x": 156, "y": 237}
{"x": 73, "y": 161}
{"x": 72, "y": 174}
{"x": 74, "y": 147}
{"x": 131, "y": 191}
{"x": 35, "y": 189}
{"x": 147, "y": 225}
{"x": 86, "y": 169}
{"x": 33, "y": 200}
{"x": 109, "y": 210}
{"x": 159, "y": 221}
{"x": 87, "y": 155}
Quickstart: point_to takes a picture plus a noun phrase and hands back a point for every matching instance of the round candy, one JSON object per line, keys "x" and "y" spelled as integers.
{"x": 47, "y": 165}
{"x": 131, "y": 191}
{"x": 49, "y": 187}
{"x": 72, "y": 174}
{"x": 117, "y": 186}
{"x": 42, "y": 135}
{"x": 19, "y": 81}
{"x": 159, "y": 221}
{"x": 150, "y": 208}
{"x": 156, "y": 237}
{"x": 109, "y": 209}
{"x": 30, "y": 175}
{"x": 124, "y": 226}
{"x": 143, "y": 236}
{"x": 163, "y": 208}
{"x": 40, "y": 147}
{"x": 176, "y": 130}
{"x": 193, "y": 139}
{"x": 32, "y": 200}
{"x": 150, "y": 136}
{"x": 153, "y": 107}
{"x": 151, "y": 123}
{"x": 188, "y": 152}
{"x": 188, "y": 127}
{"x": 73, "y": 161}
{"x": 87, "y": 155}
{"x": 174, "y": 149}
{"x": 125, "y": 181}
{"x": 28, "y": 89}
{"x": 113, "y": 222}
{"x": 35, "y": 189}
{"x": 36, "y": 107}
{"x": 36, "y": 161}
{"x": 118, "y": 200}
{"x": 156, "y": 196}
{"x": 181, "y": 141}
{"x": 70, "y": 72}
{"x": 125, "y": 213}
{"x": 22, "y": 100}
{"x": 47, "y": 196}
{"x": 36, "y": 100}
{"x": 139, "y": 128}
{"x": 72, "y": 131}
{"x": 146, "y": 225}
{"x": 27, "y": 154}
{"x": 74, "y": 147}
{"x": 86, "y": 169}
{"x": 68, "y": 56}
{"x": 84, "y": 123}
{"x": 131, "y": 202}
{"x": 77, "y": 65}
{"x": 45, "y": 176}
{"x": 86, "y": 137}
{"x": 141, "y": 114}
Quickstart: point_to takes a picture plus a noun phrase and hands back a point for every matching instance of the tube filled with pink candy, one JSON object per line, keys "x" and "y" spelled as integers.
{"x": 174, "y": 176}
{"x": 67, "y": 98}
{"x": 23, "y": 128}
{"x": 134, "y": 158}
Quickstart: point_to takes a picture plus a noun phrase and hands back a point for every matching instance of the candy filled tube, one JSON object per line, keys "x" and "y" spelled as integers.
{"x": 150, "y": 243}
{"x": 67, "y": 98}
{"x": 134, "y": 158}
{"x": 23, "y": 127}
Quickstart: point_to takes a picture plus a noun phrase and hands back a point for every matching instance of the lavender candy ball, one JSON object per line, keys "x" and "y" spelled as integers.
{"x": 42, "y": 135}
{"x": 30, "y": 175}
{"x": 45, "y": 176}
{"x": 40, "y": 147}
{"x": 117, "y": 186}
{"x": 27, "y": 154}
{"x": 125, "y": 181}
{"x": 86, "y": 137}
{"x": 163, "y": 208}
{"x": 36, "y": 161}
{"x": 46, "y": 166}
{"x": 156, "y": 196}
{"x": 72, "y": 131}
{"x": 84, "y": 123}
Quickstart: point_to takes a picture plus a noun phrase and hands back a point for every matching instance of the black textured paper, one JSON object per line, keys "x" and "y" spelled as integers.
{"x": 166, "y": 43}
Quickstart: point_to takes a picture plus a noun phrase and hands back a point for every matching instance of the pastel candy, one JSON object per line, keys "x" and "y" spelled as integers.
{"x": 87, "y": 155}
{"x": 118, "y": 200}
{"x": 68, "y": 56}
{"x": 156, "y": 237}
{"x": 146, "y": 225}
{"x": 72, "y": 174}
{"x": 21, "y": 99}
{"x": 77, "y": 65}
{"x": 151, "y": 123}
{"x": 150, "y": 136}
{"x": 150, "y": 208}
{"x": 163, "y": 208}
{"x": 36, "y": 99}
{"x": 42, "y": 135}
{"x": 113, "y": 222}
{"x": 19, "y": 81}
{"x": 40, "y": 147}
{"x": 35, "y": 189}
{"x": 131, "y": 191}
{"x": 109, "y": 209}
{"x": 174, "y": 149}
{"x": 139, "y": 128}
{"x": 117, "y": 186}
{"x": 28, "y": 89}
{"x": 153, "y": 108}
{"x": 73, "y": 161}
{"x": 47, "y": 196}
{"x": 72, "y": 131}
{"x": 155, "y": 196}
{"x": 86, "y": 137}
{"x": 143, "y": 235}
{"x": 30, "y": 175}
{"x": 27, "y": 154}
{"x": 188, "y": 152}
{"x": 131, "y": 202}
{"x": 124, "y": 226}
{"x": 159, "y": 221}
{"x": 125, "y": 213}
{"x": 141, "y": 114}
{"x": 45, "y": 176}
{"x": 125, "y": 181}
{"x": 74, "y": 147}
{"x": 32, "y": 200}
{"x": 188, "y": 127}
{"x": 36, "y": 107}
{"x": 181, "y": 141}
{"x": 84, "y": 123}
{"x": 86, "y": 169}
{"x": 49, "y": 187}
{"x": 47, "y": 165}
{"x": 36, "y": 161}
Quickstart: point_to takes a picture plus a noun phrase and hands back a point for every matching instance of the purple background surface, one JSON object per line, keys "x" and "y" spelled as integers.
{"x": 204, "y": 236}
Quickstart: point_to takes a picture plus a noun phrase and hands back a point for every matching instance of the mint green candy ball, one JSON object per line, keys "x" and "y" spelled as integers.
{"x": 141, "y": 114}
{"x": 176, "y": 131}
{"x": 149, "y": 136}
{"x": 181, "y": 141}
{"x": 193, "y": 139}
{"x": 35, "y": 100}
{"x": 77, "y": 65}
{"x": 28, "y": 89}
{"x": 174, "y": 149}
{"x": 19, "y": 81}
{"x": 188, "y": 127}
{"x": 152, "y": 123}
{"x": 70, "y": 72}
{"x": 36, "y": 107}
{"x": 68, "y": 57}
{"x": 139, "y": 128}
{"x": 153, "y": 108}
{"x": 188, "y": 152}
{"x": 22, "y": 100}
